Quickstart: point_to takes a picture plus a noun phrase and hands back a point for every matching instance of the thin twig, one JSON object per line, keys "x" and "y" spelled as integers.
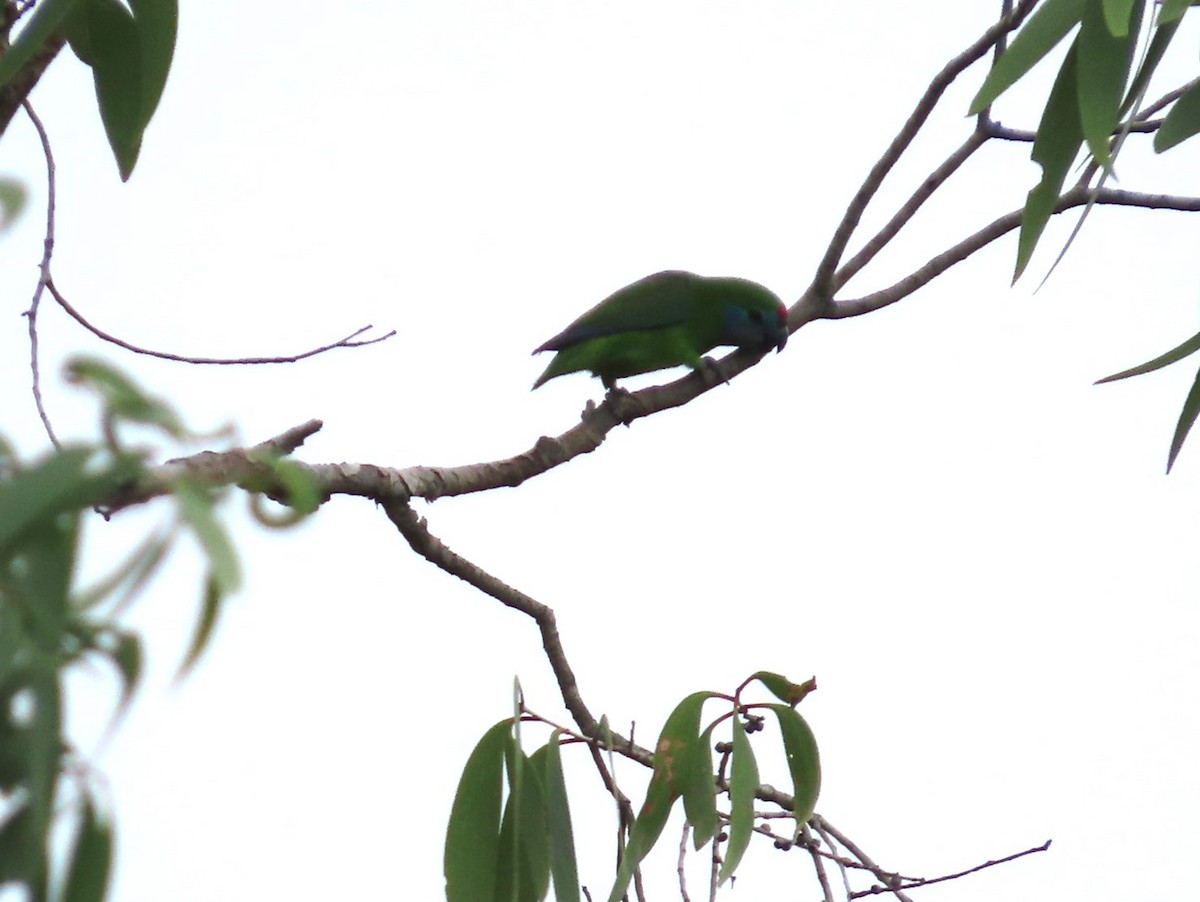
{"x": 347, "y": 342}
{"x": 822, "y": 286}
{"x": 932, "y": 182}
{"x": 31, "y": 314}
{"x": 1076, "y": 197}
{"x": 876, "y": 890}
{"x": 819, "y": 867}
{"x": 679, "y": 868}
{"x": 887, "y": 878}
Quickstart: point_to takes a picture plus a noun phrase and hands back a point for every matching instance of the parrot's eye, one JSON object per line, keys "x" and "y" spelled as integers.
{"x": 756, "y": 316}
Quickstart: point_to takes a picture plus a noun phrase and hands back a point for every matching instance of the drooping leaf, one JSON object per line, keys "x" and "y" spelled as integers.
{"x": 123, "y": 399}
{"x": 743, "y": 782}
{"x": 470, "y": 862}
{"x": 91, "y": 858}
{"x": 1182, "y": 122}
{"x": 700, "y": 789}
{"x": 47, "y": 18}
{"x": 1103, "y": 61}
{"x": 783, "y": 688}
{"x": 1150, "y": 60}
{"x": 524, "y": 843}
{"x": 804, "y": 763}
{"x": 1187, "y": 419}
{"x": 116, "y": 56}
{"x": 1049, "y": 24}
{"x": 1191, "y": 346}
{"x": 563, "y": 867}
{"x": 157, "y": 22}
{"x": 210, "y": 610}
{"x": 195, "y": 504}
{"x": 1173, "y": 10}
{"x": 1116, "y": 16}
{"x": 1059, "y": 138}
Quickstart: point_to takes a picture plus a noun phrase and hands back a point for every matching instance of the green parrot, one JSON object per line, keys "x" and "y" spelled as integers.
{"x": 668, "y": 319}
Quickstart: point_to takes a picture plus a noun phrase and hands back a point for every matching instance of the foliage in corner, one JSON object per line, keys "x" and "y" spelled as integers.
{"x": 50, "y": 626}
{"x": 1095, "y": 101}
{"x": 129, "y": 49}
{"x": 508, "y": 846}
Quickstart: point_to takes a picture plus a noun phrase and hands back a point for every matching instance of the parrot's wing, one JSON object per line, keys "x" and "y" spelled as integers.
{"x": 655, "y": 302}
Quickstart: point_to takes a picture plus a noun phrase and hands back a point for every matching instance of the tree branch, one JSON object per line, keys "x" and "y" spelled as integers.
{"x": 822, "y": 286}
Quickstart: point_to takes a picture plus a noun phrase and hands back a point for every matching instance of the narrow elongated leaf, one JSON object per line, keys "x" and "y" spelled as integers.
{"x": 1182, "y": 122}
{"x": 157, "y": 22}
{"x": 126, "y": 656}
{"x": 1173, "y": 10}
{"x": 524, "y": 843}
{"x": 1103, "y": 65}
{"x": 563, "y": 867}
{"x": 1059, "y": 138}
{"x": 122, "y": 398}
{"x": 1116, "y": 16}
{"x": 1051, "y": 22}
{"x": 91, "y": 857}
{"x": 1191, "y": 346}
{"x": 47, "y": 18}
{"x": 470, "y": 863}
{"x": 804, "y": 763}
{"x": 117, "y": 71}
{"x": 210, "y": 610}
{"x": 1150, "y": 60}
{"x": 700, "y": 790}
{"x": 1187, "y": 419}
{"x": 196, "y": 507}
{"x": 743, "y": 782}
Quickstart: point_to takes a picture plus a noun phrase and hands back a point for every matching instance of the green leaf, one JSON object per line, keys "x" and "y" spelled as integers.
{"x": 63, "y": 481}
{"x": 743, "y": 783}
{"x": 301, "y": 485}
{"x": 117, "y": 71}
{"x": 210, "y": 609}
{"x": 1117, "y": 16}
{"x": 157, "y": 23}
{"x": 700, "y": 789}
{"x": 1187, "y": 418}
{"x": 524, "y": 843}
{"x": 1059, "y": 138}
{"x": 126, "y": 656}
{"x": 470, "y": 863}
{"x": 47, "y": 17}
{"x": 1103, "y": 64}
{"x": 47, "y": 560}
{"x": 804, "y": 763}
{"x": 91, "y": 858}
{"x": 196, "y": 507}
{"x": 1181, "y": 123}
{"x": 1150, "y": 60}
{"x": 1045, "y": 29}
{"x": 563, "y": 868}
{"x": 783, "y": 688}
{"x": 13, "y": 196}
{"x": 122, "y": 398}
{"x": 1172, "y": 11}
{"x": 1191, "y": 346}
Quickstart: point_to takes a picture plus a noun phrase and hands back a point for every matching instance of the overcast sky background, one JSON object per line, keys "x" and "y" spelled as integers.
{"x": 930, "y": 508}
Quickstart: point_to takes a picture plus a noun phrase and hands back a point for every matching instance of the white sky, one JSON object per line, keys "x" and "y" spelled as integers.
{"x": 930, "y": 508}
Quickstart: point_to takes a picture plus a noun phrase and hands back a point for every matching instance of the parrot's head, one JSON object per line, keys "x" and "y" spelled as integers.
{"x": 756, "y": 319}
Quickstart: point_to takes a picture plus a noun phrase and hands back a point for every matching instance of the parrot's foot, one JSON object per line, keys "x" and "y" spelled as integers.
{"x": 625, "y": 405}
{"x": 710, "y": 372}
